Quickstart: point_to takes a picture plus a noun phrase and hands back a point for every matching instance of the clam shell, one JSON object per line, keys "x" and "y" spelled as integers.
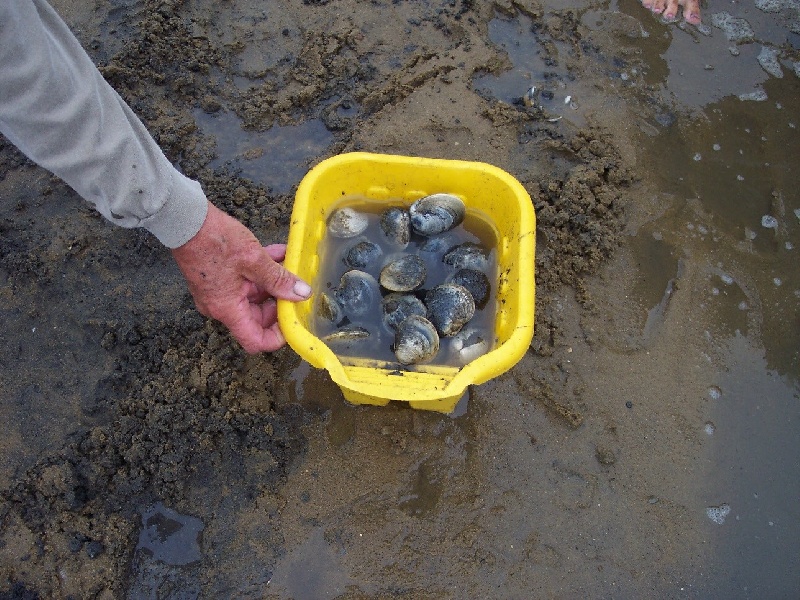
{"x": 347, "y": 223}
{"x": 357, "y": 293}
{"x": 403, "y": 274}
{"x": 415, "y": 341}
{"x": 328, "y": 308}
{"x": 450, "y": 307}
{"x": 396, "y": 226}
{"x": 438, "y": 245}
{"x": 348, "y": 333}
{"x": 362, "y": 255}
{"x": 436, "y": 214}
{"x": 467, "y": 345}
{"x": 467, "y": 256}
{"x": 476, "y": 282}
{"x": 397, "y": 307}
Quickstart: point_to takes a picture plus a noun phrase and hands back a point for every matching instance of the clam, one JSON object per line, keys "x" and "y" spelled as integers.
{"x": 438, "y": 245}
{"x": 357, "y": 292}
{"x": 362, "y": 255}
{"x": 397, "y": 307}
{"x": 396, "y": 226}
{"x": 403, "y": 274}
{"x": 531, "y": 97}
{"x": 450, "y": 306}
{"x": 467, "y": 345}
{"x": 476, "y": 282}
{"x": 415, "y": 340}
{"x": 328, "y": 308}
{"x": 348, "y": 333}
{"x": 467, "y": 256}
{"x": 436, "y": 214}
{"x": 347, "y": 223}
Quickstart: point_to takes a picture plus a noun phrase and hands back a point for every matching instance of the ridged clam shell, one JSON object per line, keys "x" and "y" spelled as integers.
{"x": 397, "y": 307}
{"x": 403, "y": 274}
{"x": 415, "y": 341}
{"x": 476, "y": 282}
{"x": 396, "y": 226}
{"x": 450, "y": 307}
{"x": 347, "y": 223}
{"x": 467, "y": 256}
{"x": 362, "y": 255}
{"x": 436, "y": 214}
{"x": 357, "y": 293}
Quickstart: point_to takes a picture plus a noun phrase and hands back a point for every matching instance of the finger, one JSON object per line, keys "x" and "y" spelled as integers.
{"x": 280, "y": 283}
{"x": 277, "y": 252}
{"x": 248, "y": 330}
{"x": 265, "y": 313}
{"x": 255, "y": 294}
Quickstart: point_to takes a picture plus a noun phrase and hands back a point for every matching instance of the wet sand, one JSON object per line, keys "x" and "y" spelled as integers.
{"x": 646, "y": 444}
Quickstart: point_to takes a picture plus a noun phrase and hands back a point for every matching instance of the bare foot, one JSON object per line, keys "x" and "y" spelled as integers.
{"x": 669, "y": 9}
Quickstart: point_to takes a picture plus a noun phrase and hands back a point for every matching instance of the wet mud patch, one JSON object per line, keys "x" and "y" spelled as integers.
{"x": 170, "y": 422}
{"x": 577, "y": 177}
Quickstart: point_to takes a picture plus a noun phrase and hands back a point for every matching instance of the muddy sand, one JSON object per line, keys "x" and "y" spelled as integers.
{"x": 645, "y": 446}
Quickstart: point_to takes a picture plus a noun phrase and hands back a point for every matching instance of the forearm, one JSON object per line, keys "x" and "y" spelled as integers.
{"x": 57, "y": 108}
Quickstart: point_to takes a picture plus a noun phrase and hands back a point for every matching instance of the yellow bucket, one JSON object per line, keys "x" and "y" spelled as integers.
{"x": 486, "y": 190}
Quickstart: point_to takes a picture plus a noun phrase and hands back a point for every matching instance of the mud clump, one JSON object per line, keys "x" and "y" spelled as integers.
{"x": 154, "y": 437}
{"x": 580, "y": 217}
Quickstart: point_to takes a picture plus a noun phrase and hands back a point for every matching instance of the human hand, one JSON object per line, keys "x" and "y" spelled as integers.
{"x": 234, "y": 279}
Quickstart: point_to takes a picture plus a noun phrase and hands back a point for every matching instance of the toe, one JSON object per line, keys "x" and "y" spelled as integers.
{"x": 671, "y": 10}
{"x": 691, "y": 11}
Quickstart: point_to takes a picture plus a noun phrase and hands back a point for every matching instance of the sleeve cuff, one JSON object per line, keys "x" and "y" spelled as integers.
{"x": 182, "y": 215}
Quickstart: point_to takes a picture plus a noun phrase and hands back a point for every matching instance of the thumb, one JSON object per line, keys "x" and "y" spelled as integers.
{"x": 276, "y": 280}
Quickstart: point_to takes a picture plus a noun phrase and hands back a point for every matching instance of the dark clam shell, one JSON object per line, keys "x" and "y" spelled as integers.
{"x": 396, "y": 226}
{"x": 450, "y": 307}
{"x": 397, "y": 307}
{"x": 362, "y": 255}
{"x": 357, "y": 293}
{"x": 436, "y": 214}
{"x": 437, "y": 245}
{"x": 403, "y": 274}
{"x": 415, "y": 341}
{"x": 476, "y": 282}
{"x": 467, "y": 256}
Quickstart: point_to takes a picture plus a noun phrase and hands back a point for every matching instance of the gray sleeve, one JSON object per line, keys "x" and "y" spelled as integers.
{"x": 56, "y": 108}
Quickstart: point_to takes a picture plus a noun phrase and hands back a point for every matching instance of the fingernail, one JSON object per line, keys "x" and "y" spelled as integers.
{"x": 301, "y": 288}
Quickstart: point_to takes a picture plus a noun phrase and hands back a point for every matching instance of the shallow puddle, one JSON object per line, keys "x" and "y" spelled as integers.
{"x": 277, "y": 157}
{"x": 167, "y": 556}
{"x": 730, "y": 174}
{"x": 539, "y": 69}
